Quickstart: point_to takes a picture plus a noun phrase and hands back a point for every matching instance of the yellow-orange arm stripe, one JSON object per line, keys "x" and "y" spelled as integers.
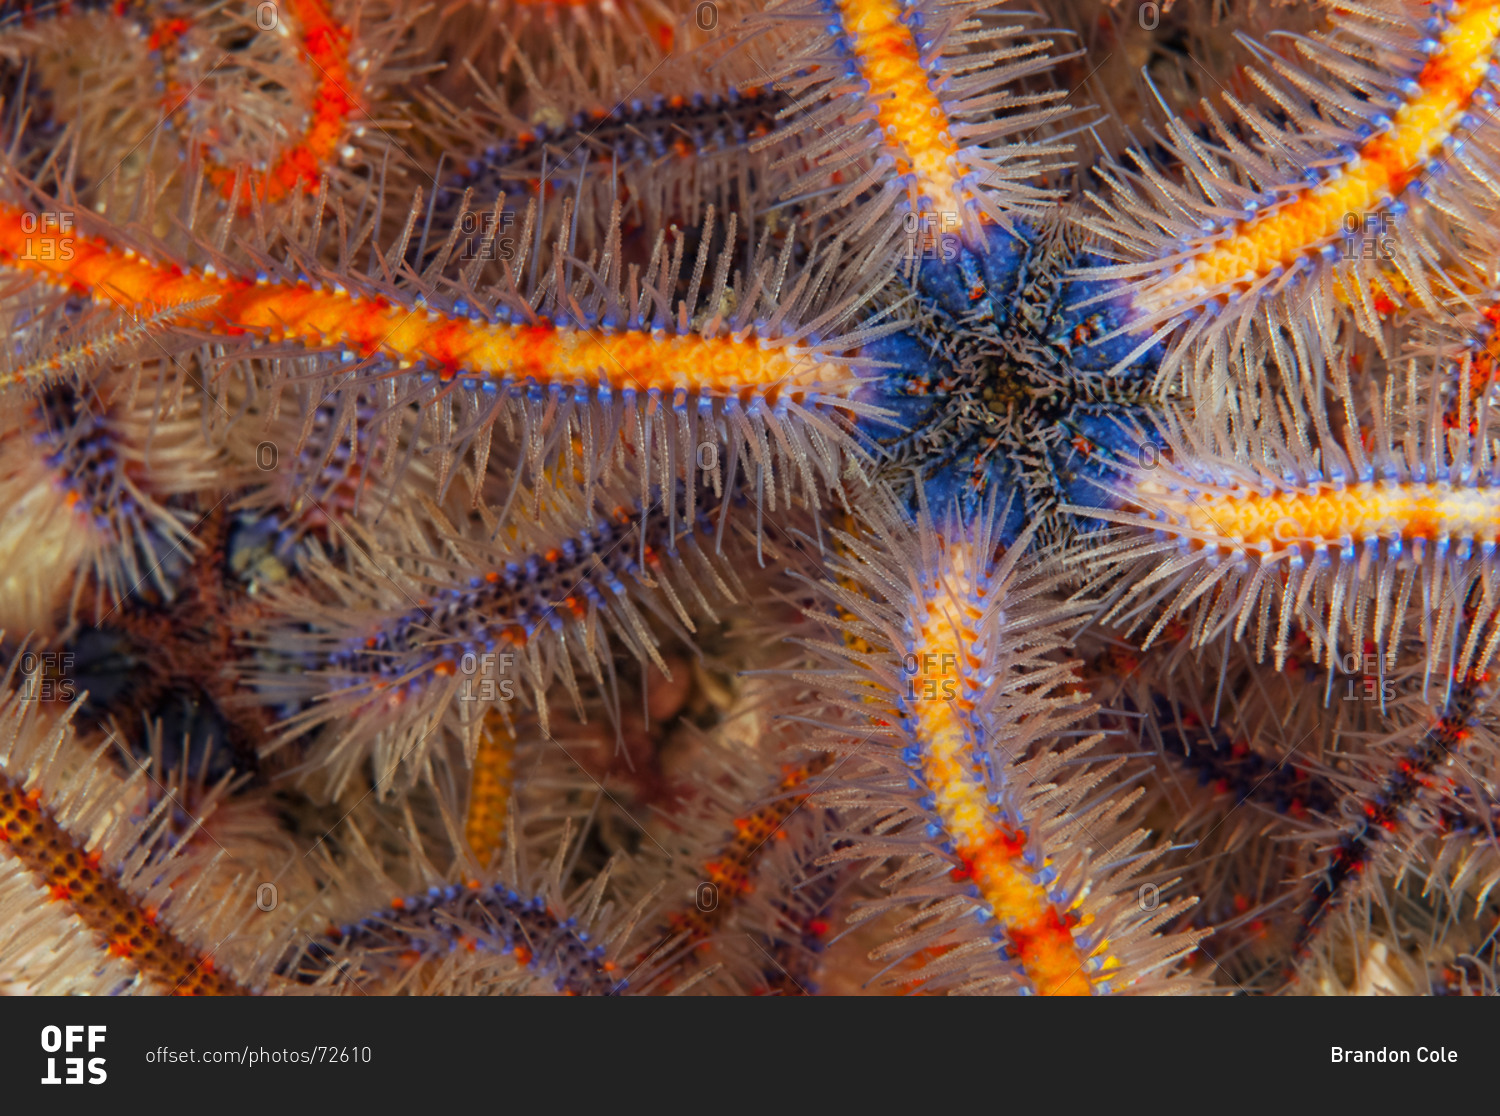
{"x": 490, "y": 791}
{"x": 911, "y": 117}
{"x": 1328, "y": 513}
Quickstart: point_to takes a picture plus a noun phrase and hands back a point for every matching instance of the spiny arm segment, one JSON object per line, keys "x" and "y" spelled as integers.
{"x": 1268, "y": 528}
{"x": 733, "y": 866}
{"x": 491, "y": 624}
{"x": 55, "y": 802}
{"x": 1328, "y": 514}
{"x": 883, "y": 49}
{"x": 927, "y": 120}
{"x": 1436, "y": 106}
{"x": 1012, "y": 865}
{"x": 324, "y": 48}
{"x": 1388, "y": 811}
{"x": 103, "y": 336}
{"x": 749, "y": 897}
{"x": 474, "y": 917}
{"x": 637, "y": 139}
{"x": 474, "y": 934}
{"x": 75, "y": 878}
{"x": 466, "y": 348}
{"x": 947, "y": 645}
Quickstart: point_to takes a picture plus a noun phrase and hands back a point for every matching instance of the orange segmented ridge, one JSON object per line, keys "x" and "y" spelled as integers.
{"x": 1381, "y": 169}
{"x": 489, "y": 795}
{"x": 940, "y": 702}
{"x": 372, "y": 326}
{"x": 73, "y": 878}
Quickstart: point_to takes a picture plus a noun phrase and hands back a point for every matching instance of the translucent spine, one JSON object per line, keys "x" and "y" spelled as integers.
{"x": 106, "y": 338}
{"x": 73, "y": 65}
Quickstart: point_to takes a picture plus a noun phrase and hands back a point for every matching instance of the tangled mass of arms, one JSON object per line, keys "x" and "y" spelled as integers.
{"x": 844, "y": 496}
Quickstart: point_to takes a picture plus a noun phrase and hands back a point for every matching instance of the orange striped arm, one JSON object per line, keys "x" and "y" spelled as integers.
{"x": 456, "y": 347}
{"x": 1382, "y": 168}
{"x": 940, "y": 701}
{"x": 74, "y": 878}
{"x": 324, "y": 48}
{"x": 1328, "y": 513}
{"x": 911, "y": 117}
